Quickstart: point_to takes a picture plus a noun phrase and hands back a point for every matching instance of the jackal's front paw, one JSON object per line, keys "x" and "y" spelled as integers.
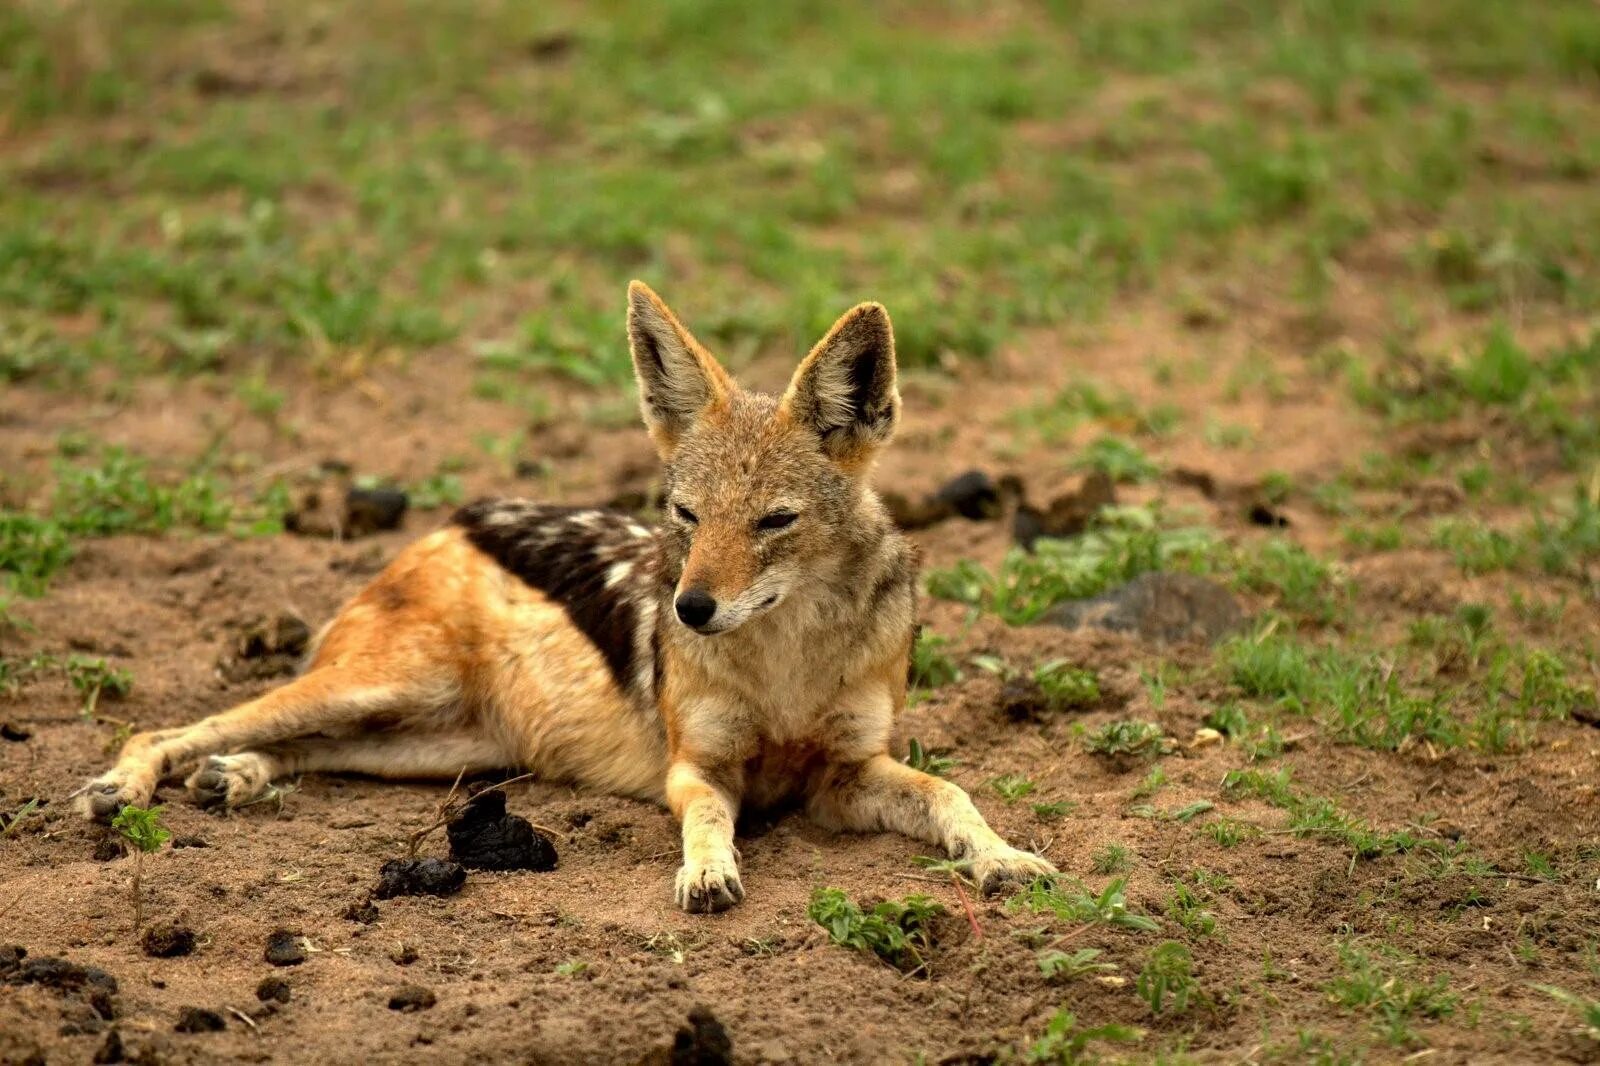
{"x": 705, "y": 887}
{"x": 992, "y": 870}
{"x": 102, "y": 798}
{"x": 229, "y": 780}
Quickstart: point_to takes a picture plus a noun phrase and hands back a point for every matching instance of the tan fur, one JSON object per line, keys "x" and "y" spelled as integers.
{"x": 452, "y": 659}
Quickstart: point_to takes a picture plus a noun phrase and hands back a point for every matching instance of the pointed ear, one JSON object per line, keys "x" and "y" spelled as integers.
{"x": 678, "y": 379}
{"x": 845, "y": 389}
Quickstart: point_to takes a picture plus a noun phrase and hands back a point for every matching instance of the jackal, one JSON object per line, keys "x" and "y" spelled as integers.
{"x": 751, "y": 650}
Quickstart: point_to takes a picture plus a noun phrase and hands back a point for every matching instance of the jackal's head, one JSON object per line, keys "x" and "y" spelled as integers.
{"x": 763, "y": 494}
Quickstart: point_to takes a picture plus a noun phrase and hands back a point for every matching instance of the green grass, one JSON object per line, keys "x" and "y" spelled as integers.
{"x": 1111, "y": 859}
{"x": 1382, "y": 984}
{"x": 1128, "y": 542}
{"x": 1320, "y": 818}
{"x": 900, "y": 932}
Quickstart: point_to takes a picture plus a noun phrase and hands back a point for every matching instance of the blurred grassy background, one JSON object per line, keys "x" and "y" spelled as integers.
{"x": 195, "y": 184}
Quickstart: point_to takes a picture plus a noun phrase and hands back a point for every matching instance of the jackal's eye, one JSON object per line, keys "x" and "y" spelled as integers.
{"x": 684, "y": 514}
{"x": 777, "y": 520}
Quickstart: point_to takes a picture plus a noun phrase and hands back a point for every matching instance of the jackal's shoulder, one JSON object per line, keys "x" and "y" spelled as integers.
{"x": 602, "y": 567}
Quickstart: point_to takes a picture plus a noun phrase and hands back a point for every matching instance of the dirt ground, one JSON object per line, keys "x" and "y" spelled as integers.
{"x": 1342, "y": 255}
{"x": 495, "y": 954}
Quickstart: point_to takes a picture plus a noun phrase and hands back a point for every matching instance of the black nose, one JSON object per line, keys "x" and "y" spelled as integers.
{"x": 695, "y": 607}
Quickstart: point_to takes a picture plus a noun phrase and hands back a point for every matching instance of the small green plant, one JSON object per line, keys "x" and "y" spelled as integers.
{"x": 1229, "y": 832}
{"x": 1070, "y": 900}
{"x": 897, "y": 931}
{"x": 1118, "y": 459}
{"x": 1127, "y": 737}
{"x": 1064, "y": 966}
{"x": 1065, "y": 686}
{"x": 94, "y": 677}
{"x": 1167, "y": 979}
{"x": 1064, "y": 1044}
{"x": 1011, "y": 787}
{"x": 22, "y": 813}
{"x": 572, "y": 967}
{"x": 920, "y": 758}
{"x": 1053, "y": 811}
{"x": 931, "y": 666}
{"x": 1111, "y": 859}
{"x": 141, "y": 827}
{"x": 1186, "y": 908}
{"x": 1153, "y": 782}
{"x": 441, "y": 489}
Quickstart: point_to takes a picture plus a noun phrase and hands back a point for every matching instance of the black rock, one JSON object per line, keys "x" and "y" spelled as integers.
{"x": 273, "y": 990}
{"x": 285, "y": 948}
{"x": 703, "y": 1042}
{"x": 971, "y": 495}
{"x": 373, "y": 510}
{"x": 409, "y": 999}
{"x": 167, "y": 941}
{"x": 419, "y": 877}
{"x": 484, "y": 837}
{"x": 1261, "y": 514}
{"x": 199, "y": 1020}
{"x": 1157, "y": 606}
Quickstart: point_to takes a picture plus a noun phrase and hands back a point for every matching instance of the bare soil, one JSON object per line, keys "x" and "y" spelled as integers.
{"x": 591, "y": 962}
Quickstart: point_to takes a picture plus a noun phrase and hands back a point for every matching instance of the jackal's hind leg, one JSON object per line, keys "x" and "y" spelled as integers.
{"x": 882, "y": 793}
{"x": 234, "y": 780}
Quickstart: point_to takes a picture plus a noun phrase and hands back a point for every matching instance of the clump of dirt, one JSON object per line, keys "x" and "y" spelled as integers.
{"x": 364, "y": 912}
{"x": 1067, "y": 515}
{"x": 167, "y": 940}
{"x": 702, "y": 1042}
{"x": 973, "y": 495}
{"x": 408, "y": 999}
{"x": 108, "y": 848}
{"x": 361, "y": 512}
{"x": 1163, "y": 607}
{"x": 199, "y": 1020}
{"x": 61, "y": 975}
{"x": 483, "y": 836}
{"x": 273, "y": 990}
{"x": 14, "y": 733}
{"x": 190, "y": 840}
{"x": 266, "y": 648}
{"x": 285, "y": 948}
{"x": 419, "y": 877}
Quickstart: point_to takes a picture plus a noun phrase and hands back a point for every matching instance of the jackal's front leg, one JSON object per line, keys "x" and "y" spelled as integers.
{"x": 709, "y": 878}
{"x": 881, "y": 793}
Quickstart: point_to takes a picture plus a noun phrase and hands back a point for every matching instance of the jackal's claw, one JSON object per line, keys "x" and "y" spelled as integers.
{"x": 102, "y": 798}
{"x": 992, "y": 871}
{"x": 708, "y": 887}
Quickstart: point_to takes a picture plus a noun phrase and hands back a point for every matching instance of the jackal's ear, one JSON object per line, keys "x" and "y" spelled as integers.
{"x": 845, "y": 389}
{"x": 678, "y": 379}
